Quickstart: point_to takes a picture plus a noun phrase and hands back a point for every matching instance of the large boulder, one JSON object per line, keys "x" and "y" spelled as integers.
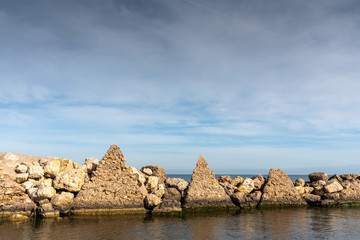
{"x": 333, "y": 186}
{"x": 35, "y": 172}
{"x": 242, "y": 199}
{"x": 350, "y": 192}
{"x": 151, "y": 201}
{"x": 259, "y": 182}
{"x": 70, "y": 180}
{"x": 63, "y": 201}
{"x": 280, "y": 190}
{"x": 91, "y": 164}
{"x": 204, "y": 190}
{"x": 52, "y": 168}
{"x": 113, "y": 185}
{"x": 247, "y": 186}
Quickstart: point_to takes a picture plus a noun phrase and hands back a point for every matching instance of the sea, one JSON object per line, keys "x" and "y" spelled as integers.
{"x": 287, "y": 223}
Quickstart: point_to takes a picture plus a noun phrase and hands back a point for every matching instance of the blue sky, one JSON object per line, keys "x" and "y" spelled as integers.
{"x": 251, "y": 85}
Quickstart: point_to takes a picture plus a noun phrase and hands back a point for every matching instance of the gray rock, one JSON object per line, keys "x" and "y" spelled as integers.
{"x": 172, "y": 194}
{"x": 179, "y": 183}
{"x": 151, "y": 201}
{"x": 241, "y": 199}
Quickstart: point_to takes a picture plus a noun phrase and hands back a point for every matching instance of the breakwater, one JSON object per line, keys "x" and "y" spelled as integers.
{"x": 52, "y": 186}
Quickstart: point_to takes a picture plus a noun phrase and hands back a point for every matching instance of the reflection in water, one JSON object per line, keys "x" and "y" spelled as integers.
{"x": 306, "y": 223}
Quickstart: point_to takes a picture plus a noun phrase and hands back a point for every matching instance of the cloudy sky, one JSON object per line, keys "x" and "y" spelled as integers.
{"x": 251, "y": 85}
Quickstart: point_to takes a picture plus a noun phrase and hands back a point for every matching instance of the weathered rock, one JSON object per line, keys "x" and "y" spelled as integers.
{"x": 66, "y": 165}
{"x": 349, "y": 193}
{"x": 228, "y": 187}
{"x": 313, "y": 200}
{"x": 13, "y": 197}
{"x": 141, "y": 177}
{"x": 157, "y": 172}
{"x": 203, "y": 189}
{"x": 52, "y": 168}
{"x": 151, "y": 201}
{"x": 27, "y": 185}
{"x": 318, "y": 176}
{"x": 91, "y": 164}
{"x": 333, "y": 186}
{"x": 280, "y": 190}
{"x": 160, "y": 191}
{"x": 237, "y": 181}
{"x": 152, "y": 183}
{"x": 318, "y": 187}
{"x": 45, "y": 209}
{"x": 172, "y": 194}
{"x": 45, "y": 192}
{"x": 21, "y": 168}
{"x": 179, "y": 183}
{"x": 224, "y": 179}
{"x": 46, "y": 182}
{"x": 18, "y": 218}
{"x": 168, "y": 206}
{"x": 147, "y": 171}
{"x": 336, "y": 177}
{"x": 112, "y": 186}
{"x": 70, "y": 180}
{"x": 11, "y": 157}
{"x": 241, "y": 199}
{"x": 304, "y": 190}
{"x": 299, "y": 182}
{"x": 35, "y": 172}
{"x": 247, "y": 186}
{"x": 259, "y": 182}
{"x": 63, "y": 201}
{"x": 349, "y": 176}
{"x": 44, "y": 160}
{"x": 21, "y": 177}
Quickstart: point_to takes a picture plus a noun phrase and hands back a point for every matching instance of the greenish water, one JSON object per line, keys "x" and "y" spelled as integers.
{"x": 298, "y": 223}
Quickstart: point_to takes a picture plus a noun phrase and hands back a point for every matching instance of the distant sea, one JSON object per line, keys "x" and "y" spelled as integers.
{"x": 187, "y": 177}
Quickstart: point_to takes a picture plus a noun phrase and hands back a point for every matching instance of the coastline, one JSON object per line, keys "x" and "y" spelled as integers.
{"x": 51, "y": 187}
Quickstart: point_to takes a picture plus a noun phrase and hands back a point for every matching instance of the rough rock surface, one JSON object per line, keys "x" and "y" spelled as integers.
{"x": 241, "y": 199}
{"x": 315, "y": 176}
{"x": 179, "y": 183}
{"x": 62, "y": 201}
{"x": 151, "y": 201}
{"x": 237, "y": 181}
{"x": 299, "y": 182}
{"x": 52, "y": 168}
{"x": 112, "y": 185}
{"x": 246, "y": 186}
{"x": 91, "y": 164}
{"x": 280, "y": 190}
{"x": 70, "y": 180}
{"x": 349, "y": 193}
{"x": 35, "y": 172}
{"x": 259, "y": 182}
{"x": 204, "y": 189}
{"x": 157, "y": 172}
{"x": 333, "y": 186}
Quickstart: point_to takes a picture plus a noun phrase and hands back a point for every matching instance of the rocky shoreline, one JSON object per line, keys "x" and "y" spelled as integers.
{"x": 53, "y": 187}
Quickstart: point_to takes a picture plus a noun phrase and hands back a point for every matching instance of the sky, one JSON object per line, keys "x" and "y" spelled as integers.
{"x": 250, "y": 85}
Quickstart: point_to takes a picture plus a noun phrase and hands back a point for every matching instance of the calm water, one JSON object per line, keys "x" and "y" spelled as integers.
{"x": 187, "y": 177}
{"x": 315, "y": 223}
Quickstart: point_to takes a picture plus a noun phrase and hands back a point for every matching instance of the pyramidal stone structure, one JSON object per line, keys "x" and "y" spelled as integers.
{"x": 112, "y": 186}
{"x": 204, "y": 190}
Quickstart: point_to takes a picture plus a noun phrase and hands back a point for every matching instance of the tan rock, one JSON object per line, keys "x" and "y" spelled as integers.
{"x": 333, "y": 186}
{"x": 152, "y": 183}
{"x": 157, "y": 172}
{"x": 304, "y": 190}
{"x": 45, "y": 192}
{"x": 280, "y": 190}
{"x": 70, "y": 180}
{"x": 91, "y": 164}
{"x": 204, "y": 190}
{"x": 21, "y": 177}
{"x": 11, "y": 157}
{"x": 147, "y": 171}
{"x": 52, "y": 168}
{"x": 299, "y": 182}
{"x": 237, "y": 181}
{"x": 21, "y": 168}
{"x": 178, "y": 183}
{"x": 318, "y": 176}
{"x": 35, "y": 172}
{"x": 242, "y": 199}
{"x": 141, "y": 177}
{"x": 151, "y": 201}
{"x": 247, "y": 186}
{"x": 63, "y": 201}
{"x": 18, "y": 218}
{"x": 259, "y": 182}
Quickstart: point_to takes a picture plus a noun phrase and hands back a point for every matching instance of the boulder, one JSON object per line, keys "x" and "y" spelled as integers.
{"x": 333, "y": 186}
{"x": 51, "y": 168}
{"x": 259, "y": 182}
{"x": 141, "y": 177}
{"x": 280, "y": 190}
{"x": 112, "y": 186}
{"x": 27, "y": 185}
{"x": 91, "y": 164}
{"x": 336, "y": 177}
{"x": 178, "y": 183}
{"x": 204, "y": 190}
{"x": 172, "y": 194}
{"x": 152, "y": 183}
{"x": 237, "y": 181}
{"x": 21, "y": 168}
{"x": 151, "y": 201}
{"x": 318, "y": 176}
{"x": 228, "y": 187}
{"x": 70, "y": 180}
{"x": 247, "y": 186}
{"x": 21, "y": 177}
{"x": 304, "y": 190}
{"x": 313, "y": 200}
{"x": 66, "y": 164}
{"x": 299, "y": 182}
{"x": 63, "y": 201}
{"x": 44, "y": 160}
{"x": 350, "y": 192}
{"x": 147, "y": 171}
{"x": 242, "y": 199}
{"x": 349, "y": 176}
{"x": 160, "y": 191}
{"x": 224, "y": 179}
{"x": 44, "y": 192}
{"x": 35, "y": 172}
{"x": 157, "y": 172}
{"x": 167, "y": 206}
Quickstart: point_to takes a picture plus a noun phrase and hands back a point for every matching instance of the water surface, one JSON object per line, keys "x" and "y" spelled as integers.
{"x": 300, "y": 223}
